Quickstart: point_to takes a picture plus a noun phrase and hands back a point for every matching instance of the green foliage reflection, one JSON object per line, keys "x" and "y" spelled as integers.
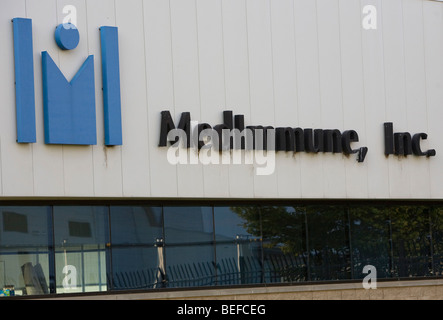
{"x": 336, "y": 242}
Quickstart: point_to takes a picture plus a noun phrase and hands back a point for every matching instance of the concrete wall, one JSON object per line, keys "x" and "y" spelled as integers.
{"x": 406, "y": 290}
{"x": 391, "y": 290}
{"x": 282, "y": 63}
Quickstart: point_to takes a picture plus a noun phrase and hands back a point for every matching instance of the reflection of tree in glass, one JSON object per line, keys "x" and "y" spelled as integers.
{"x": 284, "y": 240}
{"x": 437, "y": 239}
{"x": 328, "y": 237}
{"x": 370, "y": 231}
{"x": 396, "y": 239}
{"x": 278, "y": 225}
{"x": 411, "y": 240}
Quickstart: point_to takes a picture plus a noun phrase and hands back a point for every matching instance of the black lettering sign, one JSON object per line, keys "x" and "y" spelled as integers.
{"x": 403, "y": 144}
{"x": 232, "y": 134}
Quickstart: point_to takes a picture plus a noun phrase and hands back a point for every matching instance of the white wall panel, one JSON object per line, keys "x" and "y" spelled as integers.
{"x": 285, "y": 93}
{"x": 261, "y": 81}
{"x": 236, "y": 70}
{"x": 375, "y": 106}
{"x": 135, "y": 151}
{"x": 185, "y": 62}
{"x": 353, "y": 103}
{"x": 416, "y": 103}
{"x": 394, "y": 74}
{"x": 433, "y": 45}
{"x": 212, "y": 86}
{"x": 107, "y": 161}
{"x": 297, "y": 63}
{"x": 308, "y": 92}
{"x": 334, "y": 174}
{"x": 17, "y": 168}
{"x": 160, "y": 90}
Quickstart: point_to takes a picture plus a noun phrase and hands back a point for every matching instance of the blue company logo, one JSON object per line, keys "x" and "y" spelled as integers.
{"x": 68, "y": 107}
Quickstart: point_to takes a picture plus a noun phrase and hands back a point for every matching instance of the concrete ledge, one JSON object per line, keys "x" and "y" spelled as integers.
{"x": 386, "y": 290}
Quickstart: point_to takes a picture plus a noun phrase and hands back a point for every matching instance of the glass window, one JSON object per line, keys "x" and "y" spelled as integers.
{"x": 411, "y": 241}
{"x": 328, "y": 243}
{"x": 189, "y": 246}
{"x": 284, "y": 243}
{"x": 137, "y": 247}
{"x": 80, "y": 236}
{"x": 25, "y": 238}
{"x": 370, "y": 240}
{"x": 68, "y": 249}
{"x": 239, "y": 245}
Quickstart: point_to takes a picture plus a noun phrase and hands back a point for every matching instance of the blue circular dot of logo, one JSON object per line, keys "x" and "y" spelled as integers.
{"x": 67, "y": 36}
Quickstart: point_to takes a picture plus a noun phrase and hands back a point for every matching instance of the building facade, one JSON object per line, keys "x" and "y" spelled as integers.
{"x": 327, "y": 115}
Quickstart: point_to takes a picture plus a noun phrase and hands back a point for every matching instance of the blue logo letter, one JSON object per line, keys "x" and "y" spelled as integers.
{"x": 24, "y": 80}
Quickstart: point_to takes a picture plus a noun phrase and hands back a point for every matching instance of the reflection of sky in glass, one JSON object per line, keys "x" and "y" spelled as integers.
{"x": 136, "y": 224}
{"x": 32, "y": 219}
{"x": 189, "y": 218}
{"x": 228, "y": 224}
{"x": 92, "y": 217}
{"x": 188, "y": 224}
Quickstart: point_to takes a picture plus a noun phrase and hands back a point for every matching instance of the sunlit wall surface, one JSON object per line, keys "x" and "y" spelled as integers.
{"x": 93, "y": 248}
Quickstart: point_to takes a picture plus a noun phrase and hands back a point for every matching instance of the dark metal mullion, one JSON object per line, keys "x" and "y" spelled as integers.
{"x": 214, "y": 244}
{"x": 165, "y": 280}
{"x": 262, "y": 257}
{"x": 82, "y": 261}
{"x": 431, "y": 239}
{"x": 108, "y": 253}
{"x": 351, "y": 255}
{"x": 51, "y": 250}
{"x": 308, "y": 256}
{"x": 391, "y": 247}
